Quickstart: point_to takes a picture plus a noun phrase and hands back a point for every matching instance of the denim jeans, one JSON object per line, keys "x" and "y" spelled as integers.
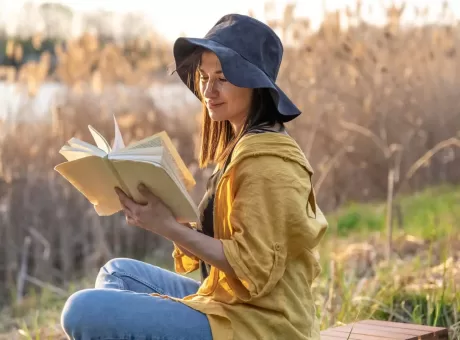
{"x": 120, "y": 307}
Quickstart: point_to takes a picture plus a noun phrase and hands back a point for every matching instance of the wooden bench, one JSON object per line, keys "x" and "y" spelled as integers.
{"x": 383, "y": 330}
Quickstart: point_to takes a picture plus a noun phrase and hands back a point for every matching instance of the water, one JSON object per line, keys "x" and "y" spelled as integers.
{"x": 16, "y": 104}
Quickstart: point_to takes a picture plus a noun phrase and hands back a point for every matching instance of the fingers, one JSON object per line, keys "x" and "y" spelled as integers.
{"x": 126, "y": 202}
{"x": 130, "y": 220}
{"x": 138, "y": 214}
{"x": 148, "y": 195}
{"x": 130, "y": 217}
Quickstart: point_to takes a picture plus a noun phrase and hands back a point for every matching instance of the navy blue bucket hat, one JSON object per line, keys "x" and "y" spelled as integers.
{"x": 250, "y": 54}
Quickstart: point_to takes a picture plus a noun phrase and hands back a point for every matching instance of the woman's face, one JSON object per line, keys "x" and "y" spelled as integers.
{"x": 223, "y": 100}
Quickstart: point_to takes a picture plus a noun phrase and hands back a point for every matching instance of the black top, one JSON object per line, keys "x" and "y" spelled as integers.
{"x": 206, "y": 206}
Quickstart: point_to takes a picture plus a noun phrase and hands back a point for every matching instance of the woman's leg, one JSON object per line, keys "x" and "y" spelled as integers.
{"x": 121, "y": 308}
{"x": 141, "y": 277}
{"x": 112, "y": 314}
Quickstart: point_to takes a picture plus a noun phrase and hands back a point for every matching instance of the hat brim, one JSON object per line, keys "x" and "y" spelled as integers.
{"x": 237, "y": 70}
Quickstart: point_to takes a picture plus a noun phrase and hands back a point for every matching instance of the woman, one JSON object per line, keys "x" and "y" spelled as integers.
{"x": 260, "y": 222}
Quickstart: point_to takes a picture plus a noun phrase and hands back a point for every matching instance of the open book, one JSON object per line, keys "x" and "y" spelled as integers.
{"x": 96, "y": 170}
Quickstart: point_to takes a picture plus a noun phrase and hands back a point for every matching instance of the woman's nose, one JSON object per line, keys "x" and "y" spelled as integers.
{"x": 210, "y": 89}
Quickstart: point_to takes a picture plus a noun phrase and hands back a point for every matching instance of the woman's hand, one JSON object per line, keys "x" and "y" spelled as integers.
{"x": 158, "y": 218}
{"x": 154, "y": 216}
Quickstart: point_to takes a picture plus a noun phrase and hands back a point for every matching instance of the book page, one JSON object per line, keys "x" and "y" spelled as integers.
{"x": 171, "y": 156}
{"x": 77, "y": 144}
{"x": 175, "y": 160}
{"x": 161, "y": 184}
{"x": 149, "y": 142}
{"x": 72, "y": 154}
{"x": 118, "y": 142}
{"x": 137, "y": 152}
{"x": 99, "y": 139}
{"x": 137, "y": 158}
{"x": 95, "y": 180}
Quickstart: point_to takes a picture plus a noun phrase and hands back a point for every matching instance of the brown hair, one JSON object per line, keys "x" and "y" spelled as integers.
{"x": 218, "y": 137}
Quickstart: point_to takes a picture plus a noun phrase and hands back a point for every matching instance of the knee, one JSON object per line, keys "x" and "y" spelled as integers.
{"x": 75, "y": 309}
{"x": 118, "y": 265}
{"x": 111, "y": 275}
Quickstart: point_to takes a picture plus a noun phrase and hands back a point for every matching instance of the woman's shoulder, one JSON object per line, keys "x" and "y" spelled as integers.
{"x": 277, "y": 148}
{"x": 256, "y": 138}
{"x": 271, "y": 157}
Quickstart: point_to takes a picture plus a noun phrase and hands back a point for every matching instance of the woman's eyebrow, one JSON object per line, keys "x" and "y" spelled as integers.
{"x": 216, "y": 72}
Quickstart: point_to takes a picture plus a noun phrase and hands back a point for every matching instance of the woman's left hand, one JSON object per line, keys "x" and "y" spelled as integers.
{"x": 154, "y": 216}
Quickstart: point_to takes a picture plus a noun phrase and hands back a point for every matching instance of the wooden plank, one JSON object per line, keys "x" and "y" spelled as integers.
{"x": 376, "y": 333}
{"x": 385, "y": 330}
{"x": 330, "y": 337}
{"x": 357, "y": 327}
{"x": 430, "y": 330}
{"x": 344, "y": 335}
{"x": 401, "y": 325}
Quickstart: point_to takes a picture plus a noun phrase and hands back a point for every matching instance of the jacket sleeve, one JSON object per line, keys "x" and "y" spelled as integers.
{"x": 184, "y": 264}
{"x": 270, "y": 205}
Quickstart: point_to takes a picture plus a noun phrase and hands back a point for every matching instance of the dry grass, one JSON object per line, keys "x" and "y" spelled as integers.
{"x": 380, "y": 110}
{"x": 420, "y": 285}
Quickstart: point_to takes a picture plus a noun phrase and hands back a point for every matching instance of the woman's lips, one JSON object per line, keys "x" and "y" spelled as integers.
{"x": 214, "y": 105}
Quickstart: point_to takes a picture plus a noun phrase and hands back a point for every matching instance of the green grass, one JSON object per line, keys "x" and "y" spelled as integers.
{"x": 343, "y": 296}
{"x": 432, "y": 215}
{"x": 355, "y": 218}
{"x": 429, "y": 214}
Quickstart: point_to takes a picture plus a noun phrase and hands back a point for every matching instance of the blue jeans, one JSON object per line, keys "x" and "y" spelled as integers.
{"x": 120, "y": 306}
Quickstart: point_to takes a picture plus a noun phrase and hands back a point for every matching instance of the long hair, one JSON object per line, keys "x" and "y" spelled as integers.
{"x": 218, "y": 138}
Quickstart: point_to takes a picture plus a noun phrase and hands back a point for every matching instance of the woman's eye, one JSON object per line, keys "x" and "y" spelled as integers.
{"x": 205, "y": 79}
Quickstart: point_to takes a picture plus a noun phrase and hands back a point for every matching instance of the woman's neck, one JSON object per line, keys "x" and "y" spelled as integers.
{"x": 238, "y": 126}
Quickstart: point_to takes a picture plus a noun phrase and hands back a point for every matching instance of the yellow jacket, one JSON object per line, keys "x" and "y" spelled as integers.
{"x": 269, "y": 224}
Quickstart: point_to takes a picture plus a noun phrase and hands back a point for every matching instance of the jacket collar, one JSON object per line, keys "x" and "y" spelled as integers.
{"x": 269, "y": 144}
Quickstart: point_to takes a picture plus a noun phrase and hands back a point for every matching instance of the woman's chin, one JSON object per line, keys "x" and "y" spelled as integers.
{"x": 215, "y": 116}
